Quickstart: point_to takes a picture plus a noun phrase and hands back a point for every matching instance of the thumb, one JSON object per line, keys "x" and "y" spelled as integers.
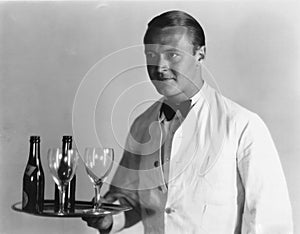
{"x": 110, "y": 198}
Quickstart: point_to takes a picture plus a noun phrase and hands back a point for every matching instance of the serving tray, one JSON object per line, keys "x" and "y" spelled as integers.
{"x": 80, "y": 209}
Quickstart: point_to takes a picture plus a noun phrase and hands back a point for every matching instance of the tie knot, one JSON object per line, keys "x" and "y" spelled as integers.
{"x": 169, "y": 109}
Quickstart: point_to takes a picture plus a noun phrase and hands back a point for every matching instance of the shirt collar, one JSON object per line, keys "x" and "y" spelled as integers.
{"x": 194, "y": 99}
{"x": 197, "y": 96}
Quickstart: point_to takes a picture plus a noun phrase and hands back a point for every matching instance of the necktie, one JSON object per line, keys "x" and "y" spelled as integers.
{"x": 169, "y": 110}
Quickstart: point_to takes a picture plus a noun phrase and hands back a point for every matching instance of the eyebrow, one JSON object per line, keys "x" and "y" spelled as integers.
{"x": 166, "y": 50}
{"x": 172, "y": 49}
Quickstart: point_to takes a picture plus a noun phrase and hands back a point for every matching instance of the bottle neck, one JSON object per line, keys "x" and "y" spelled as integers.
{"x": 67, "y": 145}
{"x": 34, "y": 153}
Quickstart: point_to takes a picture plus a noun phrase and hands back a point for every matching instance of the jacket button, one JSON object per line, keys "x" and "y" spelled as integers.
{"x": 156, "y": 163}
{"x": 169, "y": 210}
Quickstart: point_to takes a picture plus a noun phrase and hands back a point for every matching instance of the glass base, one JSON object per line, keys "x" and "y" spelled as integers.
{"x": 96, "y": 211}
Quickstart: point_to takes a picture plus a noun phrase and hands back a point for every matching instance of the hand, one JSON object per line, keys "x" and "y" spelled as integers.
{"x": 103, "y": 224}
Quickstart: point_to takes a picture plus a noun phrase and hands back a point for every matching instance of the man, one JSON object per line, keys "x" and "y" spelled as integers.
{"x": 195, "y": 162}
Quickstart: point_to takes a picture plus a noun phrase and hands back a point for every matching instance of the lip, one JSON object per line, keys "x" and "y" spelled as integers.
{"x": 166, "y": 79}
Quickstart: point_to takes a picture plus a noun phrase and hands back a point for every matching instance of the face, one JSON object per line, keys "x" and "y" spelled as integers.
{"x": 173, "y": 68}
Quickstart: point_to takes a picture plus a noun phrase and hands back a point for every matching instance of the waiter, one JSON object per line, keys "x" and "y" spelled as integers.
{"x": 195, "y": 161}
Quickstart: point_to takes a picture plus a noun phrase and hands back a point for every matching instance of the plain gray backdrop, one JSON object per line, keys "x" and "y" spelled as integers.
{"x": 47, "y": 48}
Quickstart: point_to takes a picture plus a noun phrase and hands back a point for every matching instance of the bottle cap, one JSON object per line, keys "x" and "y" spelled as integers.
{"x": 67, "y": 138}
{"x": 35, "y": 139}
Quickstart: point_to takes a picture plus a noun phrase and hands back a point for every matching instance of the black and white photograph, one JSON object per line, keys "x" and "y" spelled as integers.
{"x": 150, "y": 117}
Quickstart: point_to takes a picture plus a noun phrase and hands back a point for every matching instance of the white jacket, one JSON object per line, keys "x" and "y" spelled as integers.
{"x": 225, "y": 175}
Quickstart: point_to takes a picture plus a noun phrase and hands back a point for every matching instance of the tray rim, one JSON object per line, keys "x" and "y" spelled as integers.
{"x": 72, "y": 215}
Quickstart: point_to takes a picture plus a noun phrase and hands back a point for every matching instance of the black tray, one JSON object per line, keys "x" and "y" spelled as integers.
{"x": 80, "y": 207}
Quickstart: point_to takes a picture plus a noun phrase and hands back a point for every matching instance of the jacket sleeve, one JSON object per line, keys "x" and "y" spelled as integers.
{"x": 124, "y": 185}
{"x": 124, "y": 188}
{"x": 267, "y": 208}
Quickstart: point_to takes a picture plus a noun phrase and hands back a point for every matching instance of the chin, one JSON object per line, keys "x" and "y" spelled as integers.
{"x": 171, "y": 96}
{"x": 165, "y": 92}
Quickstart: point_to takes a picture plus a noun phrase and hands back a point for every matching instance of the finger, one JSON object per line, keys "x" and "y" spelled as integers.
{"x": 86, "y": 218}
{"x": 93, "y": 222}
{"x": 99, "y": 223}
{"x": 109, "y": 197}
{"x": 107, "y": 221}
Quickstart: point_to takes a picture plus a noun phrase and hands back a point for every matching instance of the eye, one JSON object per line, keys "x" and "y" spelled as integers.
{"x": 150, "y": 54}
{"x": 172, "y": 55}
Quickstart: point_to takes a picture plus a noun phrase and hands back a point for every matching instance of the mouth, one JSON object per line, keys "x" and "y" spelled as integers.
{"x": 165, "y": 79}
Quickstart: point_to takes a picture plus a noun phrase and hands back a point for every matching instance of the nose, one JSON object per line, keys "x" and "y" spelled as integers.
{"x": 162, "y": 65}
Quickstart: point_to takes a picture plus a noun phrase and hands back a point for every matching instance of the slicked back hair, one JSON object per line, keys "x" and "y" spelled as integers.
{"x": 177, "y": 18}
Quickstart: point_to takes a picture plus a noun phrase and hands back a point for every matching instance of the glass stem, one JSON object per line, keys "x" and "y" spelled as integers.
{"x": 97, "y": 202}
{"x": 62, "y": 199}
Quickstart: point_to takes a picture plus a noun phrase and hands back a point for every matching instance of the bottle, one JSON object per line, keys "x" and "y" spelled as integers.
{"x": 33, "y": 179}
{"x": 70, "y": 188}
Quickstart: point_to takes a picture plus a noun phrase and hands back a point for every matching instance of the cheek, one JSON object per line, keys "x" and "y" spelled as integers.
{"x": 185, "y": 69}
{"x": 190, "y": 68}
{"x": 185, "y": 65}
{"x": 151, "y": 70}
{"x": 177, "y": 69}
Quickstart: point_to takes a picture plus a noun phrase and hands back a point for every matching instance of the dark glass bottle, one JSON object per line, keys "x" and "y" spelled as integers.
{"x": 70, "y": 188}
{"x": 33, "y": 179}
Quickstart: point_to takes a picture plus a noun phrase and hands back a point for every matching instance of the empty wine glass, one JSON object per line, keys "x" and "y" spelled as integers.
{"x": 62, "y": 166}
{"x": 98, "y": 164}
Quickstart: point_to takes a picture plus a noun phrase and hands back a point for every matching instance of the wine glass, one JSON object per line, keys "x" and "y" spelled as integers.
{"x": 98, "y": 164}
{"x": 62, "y": 165}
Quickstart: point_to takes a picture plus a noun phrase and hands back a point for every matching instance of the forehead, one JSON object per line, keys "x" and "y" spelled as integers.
{"x": 176, "y": 37}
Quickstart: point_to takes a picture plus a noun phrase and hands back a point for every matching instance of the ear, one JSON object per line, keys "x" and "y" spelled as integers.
{"x": 200, "y": 53}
